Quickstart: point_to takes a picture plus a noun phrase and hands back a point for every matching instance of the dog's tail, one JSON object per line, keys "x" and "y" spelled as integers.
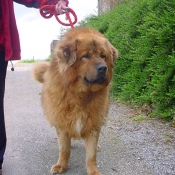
{"x": 39, "y": 70}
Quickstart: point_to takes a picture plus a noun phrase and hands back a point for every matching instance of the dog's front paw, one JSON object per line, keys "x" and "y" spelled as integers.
{"x": 57, "y": 169}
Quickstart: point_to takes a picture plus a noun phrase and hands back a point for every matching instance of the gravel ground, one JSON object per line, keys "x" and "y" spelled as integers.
{"x": 128, "y": 147}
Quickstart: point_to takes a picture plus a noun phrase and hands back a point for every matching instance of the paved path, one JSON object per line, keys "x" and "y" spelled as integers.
{"x": 127, "y": 147}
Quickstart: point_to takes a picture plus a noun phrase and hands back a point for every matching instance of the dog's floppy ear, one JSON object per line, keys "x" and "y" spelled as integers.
{"x": 67, "y": 52}
{"x": 114, "y": 55}
{"x": 69, "y": 55}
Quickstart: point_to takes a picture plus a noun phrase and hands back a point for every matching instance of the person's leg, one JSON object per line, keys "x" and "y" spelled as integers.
{"x": 3, "y": 69}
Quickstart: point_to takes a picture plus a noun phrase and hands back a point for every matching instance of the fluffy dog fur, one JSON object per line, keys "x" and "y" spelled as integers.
{"x": 75, "y": 94}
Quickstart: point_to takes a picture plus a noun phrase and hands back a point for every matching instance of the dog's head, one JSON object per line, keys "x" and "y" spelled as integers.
{"x": 87, "y": 58}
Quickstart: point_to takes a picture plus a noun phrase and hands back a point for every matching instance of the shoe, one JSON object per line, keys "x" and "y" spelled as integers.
{"x": 0, "y": 171}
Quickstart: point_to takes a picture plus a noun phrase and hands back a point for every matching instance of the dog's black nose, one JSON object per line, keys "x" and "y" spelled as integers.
{"x": 101, "y": 68}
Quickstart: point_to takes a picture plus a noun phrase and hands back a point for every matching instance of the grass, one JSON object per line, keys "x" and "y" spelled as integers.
{"x": 139, "y": 118}
{"x": 28, "y": 61}
{"x": 32, "y": 61}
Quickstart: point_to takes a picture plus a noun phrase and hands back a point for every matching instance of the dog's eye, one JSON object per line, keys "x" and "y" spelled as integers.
{"x": 86, "y": 56}
{"x": 103, "y": 56}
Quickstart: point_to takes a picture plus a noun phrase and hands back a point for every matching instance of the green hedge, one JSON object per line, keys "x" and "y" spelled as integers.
{"x": 144, "y": 33}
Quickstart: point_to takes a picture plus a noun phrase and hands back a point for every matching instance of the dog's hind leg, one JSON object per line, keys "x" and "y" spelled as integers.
{"x": 64, "y": 153}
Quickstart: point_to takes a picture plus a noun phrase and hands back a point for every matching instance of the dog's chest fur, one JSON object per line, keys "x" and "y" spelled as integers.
{"x": 78, "y": 117}
{"x": 81, "y": 120}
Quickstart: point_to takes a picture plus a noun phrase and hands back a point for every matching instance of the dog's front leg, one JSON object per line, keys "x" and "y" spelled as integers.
{"x": 64, "y": 153}
{"x": 91, "y": 153}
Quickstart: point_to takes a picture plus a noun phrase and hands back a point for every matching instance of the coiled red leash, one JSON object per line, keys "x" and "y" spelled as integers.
{"x": 47, "y": 11}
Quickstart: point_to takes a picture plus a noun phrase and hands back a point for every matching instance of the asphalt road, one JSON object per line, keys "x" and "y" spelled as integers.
{"x": 128, "y": 147}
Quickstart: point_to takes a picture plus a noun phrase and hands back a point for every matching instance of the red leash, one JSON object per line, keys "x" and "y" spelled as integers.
{"x": 47, "y": 11}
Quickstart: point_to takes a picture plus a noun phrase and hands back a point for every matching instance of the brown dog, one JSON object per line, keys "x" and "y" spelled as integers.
{"x": 75, "y": 95}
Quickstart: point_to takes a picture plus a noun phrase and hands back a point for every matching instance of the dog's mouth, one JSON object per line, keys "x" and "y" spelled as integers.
{"x": 99, "y": 80}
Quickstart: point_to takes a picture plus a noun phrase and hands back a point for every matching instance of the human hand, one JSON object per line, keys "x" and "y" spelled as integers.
{"x": 61, "y": 7}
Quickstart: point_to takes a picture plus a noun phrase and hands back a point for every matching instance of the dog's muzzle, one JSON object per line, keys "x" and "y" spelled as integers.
{"x": 101, "y": 75}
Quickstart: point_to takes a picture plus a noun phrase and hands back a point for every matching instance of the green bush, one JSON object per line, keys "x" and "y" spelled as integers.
{"x": 144, "y": 33}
